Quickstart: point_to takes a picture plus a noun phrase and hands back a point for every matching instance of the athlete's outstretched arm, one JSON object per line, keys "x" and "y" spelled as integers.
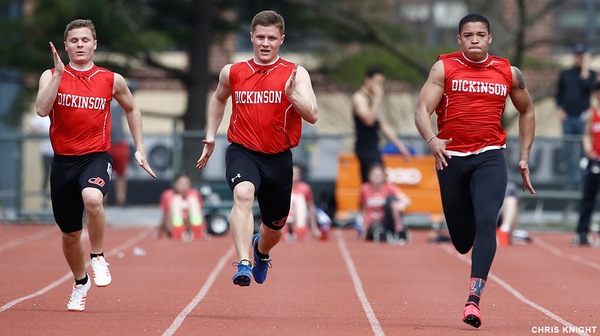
{"x": 522, "y": 101}
{"x": 48, "y": 85}
{"x": 299, "y": 91}
{"x": 430, "y": 96}
{"x": 123, "y": 96}
{"x": 390, "y": 135}
{"x": 214, "y": 115}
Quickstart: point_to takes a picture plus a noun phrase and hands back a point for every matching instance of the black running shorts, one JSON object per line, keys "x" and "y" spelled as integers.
{"x": 271, "y": 175}
{"x": 69, "y": 176}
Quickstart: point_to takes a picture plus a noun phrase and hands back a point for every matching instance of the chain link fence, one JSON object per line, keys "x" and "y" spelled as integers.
{"x": 25, "y": 197}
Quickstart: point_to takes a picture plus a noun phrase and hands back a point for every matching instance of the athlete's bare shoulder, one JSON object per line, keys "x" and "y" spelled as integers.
{"x": 518, "y": 78}
{"x": 45, "y": 77}
{"x": 119, "y": 83}
{"x": 224, "y": 75}
{"x": 436, "y": 74}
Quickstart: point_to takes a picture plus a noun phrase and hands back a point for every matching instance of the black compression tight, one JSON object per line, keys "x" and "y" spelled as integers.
{"x": 472, "y": 190}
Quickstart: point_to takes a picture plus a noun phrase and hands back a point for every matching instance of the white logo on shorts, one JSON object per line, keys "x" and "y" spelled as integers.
{"x": 109, "y": 170}
{"x": 236, "y": 176}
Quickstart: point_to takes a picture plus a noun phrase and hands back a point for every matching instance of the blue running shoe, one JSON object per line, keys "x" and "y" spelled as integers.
{"x": 242, "y": 277}
{"x": 261, "y": 266}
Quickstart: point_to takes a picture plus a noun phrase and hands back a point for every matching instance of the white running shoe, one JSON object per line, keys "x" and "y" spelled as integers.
{"x": 77, "y": 300}
{"x": 102, "y": 276}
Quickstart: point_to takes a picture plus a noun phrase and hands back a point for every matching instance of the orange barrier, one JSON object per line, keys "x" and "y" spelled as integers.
{"x": 416, "y": 177}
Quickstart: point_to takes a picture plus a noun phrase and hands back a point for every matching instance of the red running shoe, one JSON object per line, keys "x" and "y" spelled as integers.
{"x": 198, "y": 232}
{"x": 177, "y": 232}
{"x": 503, "y": 237}
{"x": 471, "y": 315}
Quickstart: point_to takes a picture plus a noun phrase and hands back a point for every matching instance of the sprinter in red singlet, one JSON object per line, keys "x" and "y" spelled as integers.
{"x": 468, "y": 89}
{"x": 76, "y": 98}
{"x": 270, "y": 98}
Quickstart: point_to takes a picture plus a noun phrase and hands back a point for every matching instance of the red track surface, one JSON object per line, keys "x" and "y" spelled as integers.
{"x": 340, "y": 287}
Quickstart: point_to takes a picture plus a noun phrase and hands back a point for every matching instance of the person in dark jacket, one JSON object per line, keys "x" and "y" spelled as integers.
{"x": 574, "y": 90}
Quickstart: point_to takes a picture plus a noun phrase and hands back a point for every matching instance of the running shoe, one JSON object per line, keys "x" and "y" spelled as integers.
{"x": 198, "y": 232}
{"x": 471, "y": 315}
{"x": 261, "y": 266}
{"x": 177, "y": 232}
{"x": 77, "y": 300}
{"x": 581, "y": 239}
{"x": 102, "y": 277}
{"x": 242, "y": 277}
{"x": 403, "y": 237}
{"x": 503, "y": 237}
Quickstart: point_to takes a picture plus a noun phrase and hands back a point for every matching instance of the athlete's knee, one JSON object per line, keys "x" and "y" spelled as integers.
{"x": 462, "y": 248}
{"x": 71, "y": 237}
{"x": 391, "y": 203}
{"x": 270, "y": 232}
{"x": 92, "y": 198}
{"x": 244, "y": 192}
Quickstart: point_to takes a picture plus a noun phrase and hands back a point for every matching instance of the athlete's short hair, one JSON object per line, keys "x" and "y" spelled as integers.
{"x": 375, "y": 165}
{"x": 268, "y": 18}
{"x": 179, "y": 175}
{"x": 371, "y": 72}
{"x": 473, "y": 17}
{"x": 80, "y": 23}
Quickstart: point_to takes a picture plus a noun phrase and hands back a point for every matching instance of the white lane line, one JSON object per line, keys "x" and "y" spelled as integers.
{"x": 69, "y": 275}
{"x": 557, "y": 252}
{"x": 28, "y": 239}
{"x": 201, "y": 294}
{"x": 516, "y": 293}
{"x": 358, "y": 287}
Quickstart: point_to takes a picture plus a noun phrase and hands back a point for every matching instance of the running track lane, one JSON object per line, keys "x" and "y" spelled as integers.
{"x": 340, "y": 287}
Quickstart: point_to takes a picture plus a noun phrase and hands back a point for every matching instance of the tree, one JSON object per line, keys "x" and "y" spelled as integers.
{"x": 136, "y": 29}
{"x": 139, "y": 29}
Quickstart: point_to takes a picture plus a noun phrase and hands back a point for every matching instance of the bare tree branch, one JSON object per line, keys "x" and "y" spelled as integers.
{"x": 517, "y": 58}
{"x": 365, "y": 29}
{"x": 550, "y": 6}
{"x": 146, "y": 56}
{"x": 150, "y": 60}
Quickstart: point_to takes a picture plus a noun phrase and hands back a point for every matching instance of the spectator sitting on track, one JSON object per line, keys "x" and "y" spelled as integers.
{"x": 182, "y": 210}
{"x": 439, "y": 229}
{"x": 382, "y": 204}
{"x": 507, "y": 221}
{"x": 507, "y": 233}
{"x": 41, "y": 125}
{"x": 303, "y": 214}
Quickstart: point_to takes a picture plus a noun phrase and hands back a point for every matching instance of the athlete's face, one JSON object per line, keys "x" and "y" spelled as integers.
{"x": 182, "y": 185}
{"x": 375, "y": 83}
{"x": 475, "y": 40}
{"x": 266, "y": 42}
{"x": 377, "y": 175}
{"x": 80, "y": 45}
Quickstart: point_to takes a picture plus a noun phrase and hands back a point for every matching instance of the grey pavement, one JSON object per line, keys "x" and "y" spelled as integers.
{"x": 148, "y": 216}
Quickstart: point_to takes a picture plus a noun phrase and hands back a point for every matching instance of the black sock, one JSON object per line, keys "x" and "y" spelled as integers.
{"x": 94, "y": 255}
{"x": 82, "y": 281}
{"x": 474, "y": 299}
{"x": 259, "y": 254}
{"x": 476, "y": 290}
